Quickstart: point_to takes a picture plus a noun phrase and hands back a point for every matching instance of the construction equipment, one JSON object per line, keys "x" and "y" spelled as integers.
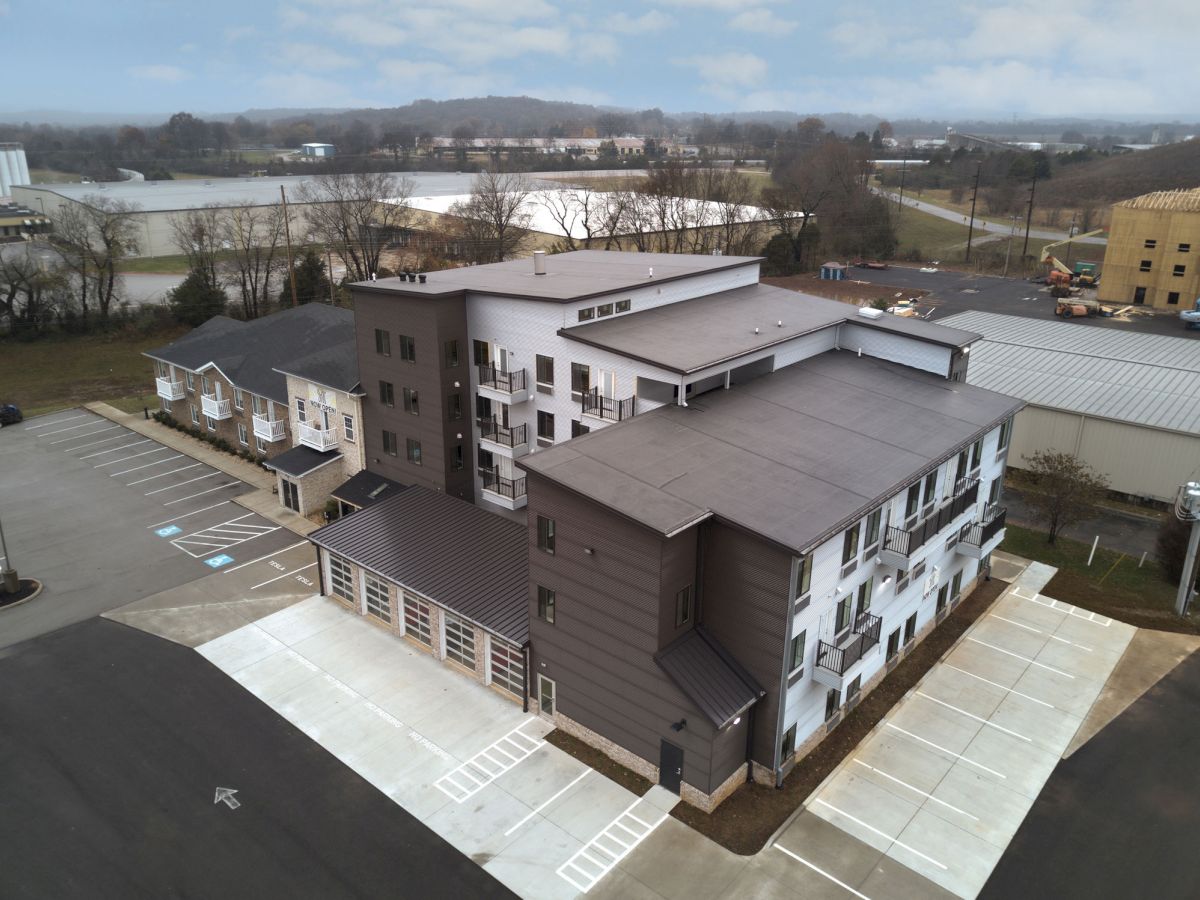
{"x": 1191, "y": 317}
{"x": 1071, "y": 307}
{"x": 1060, "y": 284}
{"x": 1085, "y": 273}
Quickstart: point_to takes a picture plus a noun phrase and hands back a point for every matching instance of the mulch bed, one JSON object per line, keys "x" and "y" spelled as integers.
{"x": 846, "y": 291}
{"x": 1079, "y": 590}
{"x": 26, "y": 587}
{"x": 592, "y": 757}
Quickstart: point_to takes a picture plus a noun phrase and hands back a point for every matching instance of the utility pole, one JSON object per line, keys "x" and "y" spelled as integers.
{"x": 903, "y": 169}
{"x": 287, "y": 233}
{"x": 971, "y": 227}
{"x": 1187, "y": 508}
{"x": 1070, "y": 234}
{"x": 9, "y": 582}
{"x": 1028, "y": 217}
{"x": 1012, "y": 230}
{"x": 329, "y": 264}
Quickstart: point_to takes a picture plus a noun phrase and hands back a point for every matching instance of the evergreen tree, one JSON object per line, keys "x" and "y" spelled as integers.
{"x": 312, "y": 283}
{"x": 197, "y": 300}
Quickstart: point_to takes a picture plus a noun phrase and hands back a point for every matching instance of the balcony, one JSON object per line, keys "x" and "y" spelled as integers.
{"x": 269, "y": 430}
{"x": 214, "y": 408}
{"x": 606, "y": 407}
{"x": 506, "y": 492}
{"x": 510, "y": 442}
{"x": 318, "y": 438}
{"x": 901, "y": 544}
{"x": 834, "y": 661}
{"x": 168, "y": 389}
{"x": 978, "y": 539}
{"x": 505, "y": 387}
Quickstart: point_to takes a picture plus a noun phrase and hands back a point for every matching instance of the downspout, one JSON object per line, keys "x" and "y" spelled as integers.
{"x": 783, "y": 674}
{"x": 525, "y": 678}
{"x": 321, "y": 572}
{"x": 682, "y": 392}
{"x": 750, "y": 742}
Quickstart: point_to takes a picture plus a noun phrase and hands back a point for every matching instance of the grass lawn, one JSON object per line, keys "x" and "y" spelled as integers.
{"x": 933, "y": 237}
{"x": 156, "y": 265}
{"x": 61, "y": 372}
{"x": 1113, "y": 585}
{"x": 51, "y": 176}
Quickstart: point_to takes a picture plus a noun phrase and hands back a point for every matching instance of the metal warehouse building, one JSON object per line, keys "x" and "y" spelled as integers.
{"x": 1126, "y": 403}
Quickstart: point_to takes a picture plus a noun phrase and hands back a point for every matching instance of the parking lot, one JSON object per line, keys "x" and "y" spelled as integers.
{"x": 103, "y": 515}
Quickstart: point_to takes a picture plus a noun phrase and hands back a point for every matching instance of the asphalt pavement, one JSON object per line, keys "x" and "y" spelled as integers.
{"x": 114, "y": 752}
{"x": 999, "y": 226}
{"x": 1119, "y": 818}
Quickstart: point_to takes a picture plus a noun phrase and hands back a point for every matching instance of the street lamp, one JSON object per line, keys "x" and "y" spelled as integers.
{"x": 9, "y": 581}
{"x": 1187, "y": 509}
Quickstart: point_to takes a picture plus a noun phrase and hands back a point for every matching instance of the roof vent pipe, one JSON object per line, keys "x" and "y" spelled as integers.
{"x": 651, "y": 275}
{"x": 539, "y": 262}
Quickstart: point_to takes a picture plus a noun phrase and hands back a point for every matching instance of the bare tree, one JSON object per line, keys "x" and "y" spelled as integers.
{"x": 97, "y": 233}
{"x": 583, "y": 215}
{"x": 197, "y": 233}
{"x": 30, "y": 292}
{"x": 1065, "y": 489}
{"x": 495, "y": 218}
{"x": 356, "y": 215}
{"x": 255, "y": 236}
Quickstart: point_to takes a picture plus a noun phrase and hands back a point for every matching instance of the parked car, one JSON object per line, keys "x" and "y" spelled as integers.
{"x": 10, "y": 415}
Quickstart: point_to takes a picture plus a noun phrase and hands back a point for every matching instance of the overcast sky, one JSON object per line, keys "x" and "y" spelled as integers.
{"x": 888, "y": 57}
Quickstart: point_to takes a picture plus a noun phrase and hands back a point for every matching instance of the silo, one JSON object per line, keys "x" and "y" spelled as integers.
{"x": 13, "y": 168}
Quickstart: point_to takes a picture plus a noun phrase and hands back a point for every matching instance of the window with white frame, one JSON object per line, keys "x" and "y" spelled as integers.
{"x": 460, "y": 642}
{"x": 237, "y": 398}
{"x": 301, "y": 414}
{"x": 843, "y": 613}
{"x": 871, "y": 535}
{"x": 260, "y": 445}
{"x": 379, "y": 604}
{"x": 211, "y": 422}
{"x": 348, "y": 428}
{"x": 243, "y": 435}
{"x": 508, "y": 667}
{"x": 341, "y": 578}
{"x": 417, "y": 620}
{"x": 802, "y": 581}
{"x": 191, "y": 381}
{"x": 1005, "y": 434}
{"x": 850, "y": 550}
{"x": 195, "y": 414}
{"x": 258, "y": 405}
{"x": 204, "y": 385}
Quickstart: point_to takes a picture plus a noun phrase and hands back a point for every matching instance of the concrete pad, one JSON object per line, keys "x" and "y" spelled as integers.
{"x": 661, "y": 799}
{"x": 823, "y": 844}
{"x": 277, "y": 674}
{"x": 967, "y": 860}
{"x": 753, "y": 883}
{"x": 240, "y": 648}
{"x": 935, "y": 724}
{"x": 902, "y": 758}
{"x": 997, "y": 811}
{"x": 987, "y": 663}
{"x": 527, "y": 865}
{"x": 710, "y": 868}
{"x": 975, "y": 697}
{"x": 585, "y": 812}
{"x": 1095, "y": 666}
{"x": 1025, "y": 767}
{"x": 190, "y": 626}
{"x": 1050, "y": 729}
{"x": 1007, "y": 636}
{"x": 303, "y": 620}
{"x": 898, "y": 882}
{"x": 620, "y": 885}
{"x": 352, "y": 731}
{"x": 1036, "y": 615}
{"x": 1006, "y": 567}
{"x": 863, "y": 809}
{"x": 1073, "y": 697}
{"x": 1035, "y": 577}
{"x": 477, "y": 827}
{"x": 548, "y": 771}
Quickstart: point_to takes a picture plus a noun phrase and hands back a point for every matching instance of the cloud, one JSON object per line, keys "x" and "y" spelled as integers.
{"x": 436, "y": 80}
{"x": 5, "y": 9}
{"x": 168, "y": 74}
{"x": 621, "y": 23}
{"x": 303, "y": 89}
{"x": 727, "y": 69}
{"x": 365, "y": 29}
{"x": 762, "y": 21}
{"x": 236, "y": 33}
{"x": 315, "y": 57}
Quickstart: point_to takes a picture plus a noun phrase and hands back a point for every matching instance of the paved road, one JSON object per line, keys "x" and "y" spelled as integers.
{"x": 1119, "y": 818}
{"x": 1119, "y": 531}
{"x": 113, "y": 746}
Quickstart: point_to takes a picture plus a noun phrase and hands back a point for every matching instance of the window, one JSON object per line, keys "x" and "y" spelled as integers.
{"x": 243, "y": 435}
{"x": 191, "y": 381}
{"x": 383, "y": 342}
{"x": 260, "y": 445}
{"x": 545, "y": 426}
{"x": 1144, "y": 266}
{"x": 912, "y": 502}
{"x": 796, "y": 656}
{"x": 348, "y": 428}
{"x": 865, "y": 590}
{"x": 942, "y": 595}
{"x": 454, "y": 407}
{"x": 408, "y": 348}
{"x": 487, "y": 461}
{"x": 456, "y": 458}
{"x": 994, "y": 492}
{"x": 379, "y": 604}
{"x": 960, "y": 470}
{"x": 853, "y": 688}
{"x": 545, "y": 369}
{"x": 341, "y": 580}
{"x": 624, "y": 305}
{"x": 389, "y": 443}
{"x": 1139, "y": 296}
{"x": 586, "y": 315}
{"x": 416, "y": 620}
{"x": 1173, "y": 298}
{"x": 545, "y": 534}
{"x": 683, "y": 606}
{"x": 300, "y": 413}
{"x": 237, "y": 399}
{"x": 1178, "y": 271}
{"x": 788, "y": 748}
{"x": 546, "y": 605}
{"x": 910, "y": 629}
{"x": 483, "y": 353}
{"x": 460, "y": 642}
{"x": 604, "y": 309}
{"x": 802, "y": 570}
{"x": 850, "y": 550}
{"x": 842, "y": 617}
{"x": 204, "y": 385}
{"x": 871, "y": 536}
{"x": 976, "y": 454}
{"x": 410, "y": 402}
{"x": 955, "y": 587}
{"x": 833, "y": 702}
{"x": 211, "y": 422}
{"x": 1185, "y": 248}
{"x": 387, "y": 394}
{"x": 195, "y": 414}
{"x": 256, "y": 402}
{"x": 581, "y": 378}
{"x": 1005, "y": 434}
{"x": 451, "y": 354}
{"x": 1151, "y": 243}
{"x": 578, "y": 428}
{"x": 931, "y": 485}
{"x": 413, "y": 451}
{"x": 893, "y": 644}
{"x": 901, "y": 580}
{"x": 508, "y": 667}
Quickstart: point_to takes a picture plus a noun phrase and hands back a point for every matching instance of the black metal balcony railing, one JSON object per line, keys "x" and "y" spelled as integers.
{"x": 491, "y": 430}
{"x": 907, "y": 541}
{"x": 979, "y": 533}
{"x": 865, "y": 636}
{"x": 512, "y": 488}
{"x": 508, "y": 382}
{"x": 606, "y": 407}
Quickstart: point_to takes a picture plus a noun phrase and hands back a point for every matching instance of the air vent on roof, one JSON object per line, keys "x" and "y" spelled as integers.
{"x": 869, "y": 313}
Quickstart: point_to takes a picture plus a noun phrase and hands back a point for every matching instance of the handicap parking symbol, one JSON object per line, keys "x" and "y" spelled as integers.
{"x": 168, "y": 531}
{"x": 216, "y": 562}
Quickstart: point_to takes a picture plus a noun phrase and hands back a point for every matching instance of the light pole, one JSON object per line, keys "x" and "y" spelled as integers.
{"x": 9, "y": 581}
{"x": 1187, "y": 509}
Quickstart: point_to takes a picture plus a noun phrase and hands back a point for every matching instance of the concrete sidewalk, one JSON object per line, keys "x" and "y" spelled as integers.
{"x": 263, "y": 501}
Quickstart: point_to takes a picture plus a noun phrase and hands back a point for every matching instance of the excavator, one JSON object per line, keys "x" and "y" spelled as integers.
{"x": 1061, "y": 277}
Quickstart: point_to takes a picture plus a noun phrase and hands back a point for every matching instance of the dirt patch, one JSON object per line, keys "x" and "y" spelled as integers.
{"x": 592, "y": 757}
{"x": 858, "y": 293}
{"x": 745, "y": 822}
{"x": 1080, "y": 590}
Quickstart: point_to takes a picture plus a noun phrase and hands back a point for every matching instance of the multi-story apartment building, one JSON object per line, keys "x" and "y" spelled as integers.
{"x": 284, "y": 387}
{"x": 742, "y": 504}
{"x": 1151, "y": 256}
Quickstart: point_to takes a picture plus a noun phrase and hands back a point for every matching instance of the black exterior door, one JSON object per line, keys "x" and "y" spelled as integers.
{"x": 670, "y": 766}
{"x": 291, "y": 496}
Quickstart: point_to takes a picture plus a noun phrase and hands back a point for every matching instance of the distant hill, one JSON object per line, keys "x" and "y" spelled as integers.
{"x": 1114, "y": 178}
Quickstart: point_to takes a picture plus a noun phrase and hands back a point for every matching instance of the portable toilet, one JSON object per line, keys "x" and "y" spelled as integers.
{"x": 833, "y": 271}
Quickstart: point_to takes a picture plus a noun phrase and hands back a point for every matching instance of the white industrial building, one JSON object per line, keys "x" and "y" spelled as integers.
{"x": 1126, "y": 403}
{"x": 317, "y": 150}
{"x": 14, "y": 169}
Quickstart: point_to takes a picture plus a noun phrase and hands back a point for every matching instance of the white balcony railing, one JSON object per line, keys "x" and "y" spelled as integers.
{"x": 214, "y": 408}
{"x": 168, "y": 389}
{"x": 318, "y": 438}
{"x": 269, "y": 429}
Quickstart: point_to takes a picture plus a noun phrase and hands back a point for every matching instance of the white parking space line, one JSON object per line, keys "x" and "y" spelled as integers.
{"x": 202, "y": 493}
{"x": 1102, "y": 621}
{"x": 222, "y": 536}
{"x": 1052, "y": 637}
{"x": 76, "y": 437}
{"x": 595, "y": 859}
{"x": 115, "y": 437}
{"x": 884, "y": 834}
{"x": 56, "y": 422}
{"x": 488, "y": 764}
{"x": 65, "y": 430}
{"x": 284, "y": 575}
{"x": 1032, "y": 662}
{"x": 157, "y": 462}
{"x": 267, "y": 556}
{"x": 941, "y": 749}
{"x": 185, "y": 515}
{"x": 162, "y": 474}
{"x": 171, "y": 487}
{"x": 113, "y": 462}
{"x": 822, "y": 872}
{"x": 1002, "y": 687}
{"x": 115, "y": 449}
{"x": 980, "y": 719}
{"x": 543, "y": 805}
{"x": 916, "y": 790}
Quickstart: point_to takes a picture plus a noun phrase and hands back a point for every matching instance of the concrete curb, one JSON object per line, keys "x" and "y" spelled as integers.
{"x": 37, "y": 593}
